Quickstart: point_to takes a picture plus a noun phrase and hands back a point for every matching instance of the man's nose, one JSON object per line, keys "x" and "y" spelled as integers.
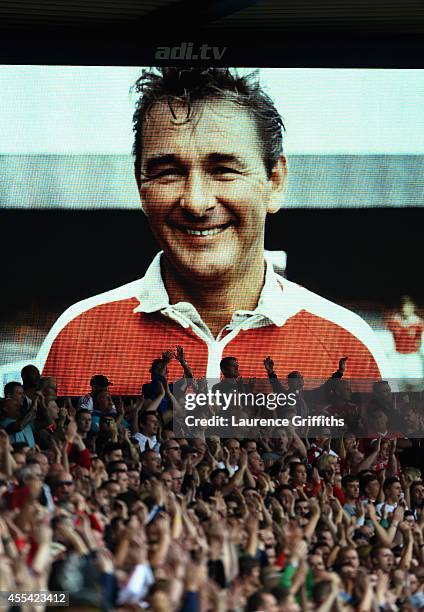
{"x": 197, "y": 197}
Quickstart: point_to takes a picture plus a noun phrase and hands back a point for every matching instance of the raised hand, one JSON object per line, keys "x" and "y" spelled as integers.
{"x": 179, "y": 353}
{"x": 342, "y": 364}
{"x": 167, "y": 355}
{"x": 269, "y": 365}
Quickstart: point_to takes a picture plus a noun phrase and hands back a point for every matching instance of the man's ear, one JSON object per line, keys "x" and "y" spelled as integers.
{"x": 279, "y": 182}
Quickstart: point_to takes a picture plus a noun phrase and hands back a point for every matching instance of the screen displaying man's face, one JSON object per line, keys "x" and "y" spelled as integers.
{"x": 205, "y": 189}
{"x": 353, "y": 140}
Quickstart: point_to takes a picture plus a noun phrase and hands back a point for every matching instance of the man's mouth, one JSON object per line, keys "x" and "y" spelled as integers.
{"x": 203, "y": 232}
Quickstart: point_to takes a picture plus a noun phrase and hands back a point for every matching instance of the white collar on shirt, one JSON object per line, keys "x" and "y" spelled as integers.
{"x": 278, "y": 301}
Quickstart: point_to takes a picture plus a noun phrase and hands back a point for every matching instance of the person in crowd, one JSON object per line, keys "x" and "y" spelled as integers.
{"x": 290, "y": 527}
{"x": 407, "y": 327}
{"x": 99, "y": 382}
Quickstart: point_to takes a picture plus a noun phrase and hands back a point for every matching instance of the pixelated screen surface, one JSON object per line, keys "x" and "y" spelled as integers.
{"x": 340, "y": 214}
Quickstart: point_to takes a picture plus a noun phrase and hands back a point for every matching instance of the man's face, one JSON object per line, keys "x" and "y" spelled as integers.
{"x": 372, "y": 489}
{"x": 166, "y": 480}
{"x": 205, "y": 189}
{"x": 233, "y": 447}
{"x": 255, "y": 462}
{"x": 150, "y": 426}
{"x": 152, "y": 463}
{"x": 11, "y": 408}
{"x": 352, "y": 489}
{"x": 417, "y": 494}
{"x": 104, "y": 402}
{"x": 231, "y": 369}
{"x": 18, "y": 394}
{"x": 394, "y": 491}
{"x": 115, "y": 455}
{"x": 380, "y": 421}
{"x": 300, "y": 475}
{"x": 385, "y": 560}
{"x": 84, "y": 422}
{"x": 177, "y": 480}
{"x": 350, "y": 558}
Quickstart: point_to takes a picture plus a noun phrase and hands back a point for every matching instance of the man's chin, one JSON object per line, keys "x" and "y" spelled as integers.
{"x": 201, "y": 269}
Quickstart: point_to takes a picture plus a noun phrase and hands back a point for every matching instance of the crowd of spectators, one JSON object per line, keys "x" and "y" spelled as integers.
{"x": 101, "y": 500}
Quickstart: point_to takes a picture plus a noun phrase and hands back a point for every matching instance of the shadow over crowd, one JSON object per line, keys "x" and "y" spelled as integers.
{"x": 101, "y": 500}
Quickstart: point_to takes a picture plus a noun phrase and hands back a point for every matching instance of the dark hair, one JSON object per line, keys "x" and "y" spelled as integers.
{"x": 156, "y": 364}
{"x": 144, "y": 415}
{"x": 82, "y": 411}
{"x": 365, "y": 481}
{"x": 191, "y": 85}
{"x": 225, "y": 361}
{"x": 254, "y": 602}
{"x": 8, "y": 387}
{"x": 247, "y": 564}
{"x": 348, "y": 479}
{"x": 389, "y": 481}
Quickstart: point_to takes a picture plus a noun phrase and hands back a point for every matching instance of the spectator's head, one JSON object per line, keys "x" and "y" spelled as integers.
{"x": 42, "y": 461}
{"x": 261, "y": 600}
{"x": 100, "y": 383}
{"x": 83, "y": 420}
{"x": 159, "y": 369}
{"x": 249, "y": 445}
{"x": 148, "y": 423}
{"x": 11, "y": 408}
{"x": 369, "y": 486}
{"x": 219, "y": 477}
{"x": 295, "y": 381}
{"x": 417, "y": 494}
{"x": 280, "y": 473}
{"x": 382, "y": 393}
{"x": 102, "y": 401}
{"x": 177, "y": 480}
{"x": 250, "y": 570}
{"x": 392, "y": 489}
{"x": 52, "y": 409}
{"x": 166, "y": 479}
{"x": 170, "y": 452}
{"x": 350, "y": 486}
{"x": 63, "y": 486}
{"x": 233, "y": 447}
{"x": 347, "y": 556}
{"x": 112, "y": 452}
{"x": 378, "y": 420}
{"x": 382, "y": 558}
{"x": 107, "y": 425}
{"x": 316, "y": 563}
{"x": 229, "y": 367}
{"x": 48, "y": 386}
{"x": 14, "y": 390}
{"x": 150, "y": 463}
{"x": 20, "y": 459}
{"x": 30, "y": 375}
{"x": 407, "y": 306}
{"x": 341, "y": 390}
{"x": 255, "y": 463}
{"x": 298, "y": 474}
{"x": 412, "y": 419}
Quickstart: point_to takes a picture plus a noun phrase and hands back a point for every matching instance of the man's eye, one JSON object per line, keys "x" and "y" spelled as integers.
{"x": 223, "y": 170}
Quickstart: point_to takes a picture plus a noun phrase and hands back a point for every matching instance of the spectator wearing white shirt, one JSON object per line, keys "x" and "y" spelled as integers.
{"x": 99, "y": 382}
{"x": 147, "y": 426}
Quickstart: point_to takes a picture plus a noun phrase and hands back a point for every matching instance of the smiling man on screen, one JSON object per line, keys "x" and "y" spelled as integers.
{"x": 209, "y": 166}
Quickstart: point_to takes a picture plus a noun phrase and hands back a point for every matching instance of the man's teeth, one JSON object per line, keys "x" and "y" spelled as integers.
{"x": 209, "y": 232}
